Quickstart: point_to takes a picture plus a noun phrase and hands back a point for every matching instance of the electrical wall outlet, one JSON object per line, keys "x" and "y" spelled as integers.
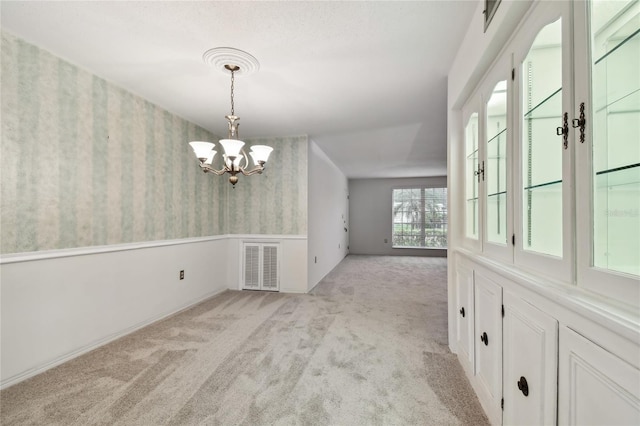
{"x": 385, "y": 241}
{"x": 182, "y": 274}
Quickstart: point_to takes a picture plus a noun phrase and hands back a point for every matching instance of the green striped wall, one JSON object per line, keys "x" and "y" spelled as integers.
{"x": 276, "y": 201}
{"x": 85, "y": 163}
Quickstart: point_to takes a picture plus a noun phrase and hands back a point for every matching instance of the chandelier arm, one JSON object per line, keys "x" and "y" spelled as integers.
{"x": 246, "y": 160}
{"x": 208, "y": 169}
{"x": 256, "y": 170}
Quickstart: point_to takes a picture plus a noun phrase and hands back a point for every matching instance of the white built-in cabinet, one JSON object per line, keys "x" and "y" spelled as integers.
{"x": 488, "y": 342}
{"x": 547, "y": 268}
{"x": 596, "y": 387}
{"x": 551, "y": 143}
{"x": 530, "y": 352}
{"x": 526, "y": 363}
{"x": 465, "y": 319}
{"x": 508, "y": 348}
{"x": 260, "y": 266}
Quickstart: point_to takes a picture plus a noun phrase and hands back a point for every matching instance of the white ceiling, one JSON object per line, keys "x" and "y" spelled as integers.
{"x": 367, "y": 81}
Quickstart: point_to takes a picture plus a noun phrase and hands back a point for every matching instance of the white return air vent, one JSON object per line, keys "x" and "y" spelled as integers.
{"x": 261, "y": 266}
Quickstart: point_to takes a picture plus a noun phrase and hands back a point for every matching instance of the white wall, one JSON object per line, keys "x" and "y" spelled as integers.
{"x": 57, "y": 305}
{"x": 328, "y": 215}
{"x": 370, "y": 212}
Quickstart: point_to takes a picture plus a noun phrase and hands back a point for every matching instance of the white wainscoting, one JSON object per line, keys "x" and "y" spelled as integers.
{"x": 59, "y": 304}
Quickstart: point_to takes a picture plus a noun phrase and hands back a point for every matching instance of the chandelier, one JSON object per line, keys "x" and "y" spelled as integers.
{"x": 234, "y": 158}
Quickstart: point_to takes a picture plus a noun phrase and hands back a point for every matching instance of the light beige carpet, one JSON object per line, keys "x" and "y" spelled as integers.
{"x": 367, "y": 347}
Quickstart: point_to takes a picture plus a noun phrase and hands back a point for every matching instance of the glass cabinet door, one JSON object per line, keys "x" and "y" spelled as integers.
{"x": 607, "y": 134}
{"x": 472, "y": 171}
{"x": 615, "y": 76}
{"x": 544, "y": 178}
{"x": 541, "y": 86}
{"x": 496, "y": 165}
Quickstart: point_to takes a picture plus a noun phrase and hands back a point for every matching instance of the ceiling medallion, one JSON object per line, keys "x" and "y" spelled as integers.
{"x": 219, "y": 57}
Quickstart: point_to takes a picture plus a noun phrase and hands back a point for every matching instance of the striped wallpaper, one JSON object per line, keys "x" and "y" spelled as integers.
{"x": 85, "y": 163}
{"x": 276, "y": 201}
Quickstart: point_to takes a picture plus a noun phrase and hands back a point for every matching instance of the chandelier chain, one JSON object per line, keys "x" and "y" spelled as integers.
{"x": 232, "y": 104}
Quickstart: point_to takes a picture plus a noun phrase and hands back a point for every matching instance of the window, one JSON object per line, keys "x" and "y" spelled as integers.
{"x": 420, "y": 218}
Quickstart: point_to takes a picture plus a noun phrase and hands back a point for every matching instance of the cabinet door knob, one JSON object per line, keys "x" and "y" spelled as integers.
{"x": 462, "y": 311}
{"x": 484, "y": 338}
{"x": 523, "y": 386}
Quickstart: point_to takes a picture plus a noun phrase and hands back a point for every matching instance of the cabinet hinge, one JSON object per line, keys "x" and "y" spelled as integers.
{"x": 502, "y": 311}
{"x": 513, "y": 239}
{"x": 513, "y": 74}
{"x": 502, "y": 404}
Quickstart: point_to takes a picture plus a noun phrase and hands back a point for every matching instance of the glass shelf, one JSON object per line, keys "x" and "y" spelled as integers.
{"x": 623, "y": 105}
{"x": 497, "y": 193}
{"x": 497, "y": 136}
{"x": 548, "y": 108}
{"x": 616, "y": 47}
{"x": 542, "y": 185}
{"x": 619, "y": 176}
{"x": 618, "y": 169}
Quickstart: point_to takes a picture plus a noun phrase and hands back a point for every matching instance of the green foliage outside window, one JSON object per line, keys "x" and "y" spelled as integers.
{"x": 420, "y": 217}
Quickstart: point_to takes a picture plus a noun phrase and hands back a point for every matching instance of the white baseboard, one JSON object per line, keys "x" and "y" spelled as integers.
{"x": 101, "y": 342}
